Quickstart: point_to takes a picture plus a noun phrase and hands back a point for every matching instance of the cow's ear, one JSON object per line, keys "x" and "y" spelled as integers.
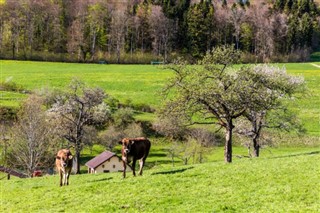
{"x": 120, "y": 142}
{"x": 70, "y": 157}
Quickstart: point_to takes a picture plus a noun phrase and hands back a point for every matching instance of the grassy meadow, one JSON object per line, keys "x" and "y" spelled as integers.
{"x": 283, "y": 179}
{"x": 282, "y": 183}
{"x": 139, "y": 84}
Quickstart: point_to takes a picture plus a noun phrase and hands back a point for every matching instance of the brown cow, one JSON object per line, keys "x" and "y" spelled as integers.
{"x": 64, "y": 165}
{"x": 135, "y": 149}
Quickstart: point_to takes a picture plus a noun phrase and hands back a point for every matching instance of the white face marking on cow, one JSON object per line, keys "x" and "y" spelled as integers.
{"x": 126, "y": 151}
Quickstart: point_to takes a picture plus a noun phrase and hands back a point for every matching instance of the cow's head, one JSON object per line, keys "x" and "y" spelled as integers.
{"x": 64, "y": 158}
{"x": 126, "y": 145}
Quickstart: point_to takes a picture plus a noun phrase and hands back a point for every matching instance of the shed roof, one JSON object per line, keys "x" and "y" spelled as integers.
{"x": 98, "y": 160}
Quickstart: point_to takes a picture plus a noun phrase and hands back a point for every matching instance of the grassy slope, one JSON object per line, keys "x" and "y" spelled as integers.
{"x": 139, "y": 83}
{"x": 308, "y": 106}
{"x": 287, "y": 183}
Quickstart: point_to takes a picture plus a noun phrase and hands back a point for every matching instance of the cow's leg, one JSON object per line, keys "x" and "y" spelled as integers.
{"x": 124, "y": 168}
{"x": 64, "y": 178}
{"x": 141, "y": 162}
{"x": 60, "y": 173}
{"x": 134, "y": 166}
{"x": 68, "y": 174}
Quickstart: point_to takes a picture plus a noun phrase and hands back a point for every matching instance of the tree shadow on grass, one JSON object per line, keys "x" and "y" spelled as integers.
{"x": 299, "y": 154}
{"x": 172, "y": 171}
{"x": 102, "y": 179}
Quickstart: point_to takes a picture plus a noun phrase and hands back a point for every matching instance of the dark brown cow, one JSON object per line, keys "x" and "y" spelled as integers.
{"x": 135, "y": 149}
{"x": 64, "y": 165}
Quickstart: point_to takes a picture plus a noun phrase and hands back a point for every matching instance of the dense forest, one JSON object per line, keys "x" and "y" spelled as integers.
{"x": 138, "y": 31}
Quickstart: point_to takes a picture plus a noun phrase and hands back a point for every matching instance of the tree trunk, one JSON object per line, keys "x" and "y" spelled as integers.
{"x": 13, "y": 51}
{"x": 77, "y": 161}
{"x": 256, "y": 148}
{"x": 228, "y": 144}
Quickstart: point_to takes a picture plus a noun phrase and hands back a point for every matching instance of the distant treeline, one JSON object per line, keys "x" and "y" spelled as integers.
{"x": 140, "y": 31}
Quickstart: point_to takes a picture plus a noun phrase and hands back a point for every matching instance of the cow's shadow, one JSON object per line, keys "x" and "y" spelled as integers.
{"x": 172, "y": 171}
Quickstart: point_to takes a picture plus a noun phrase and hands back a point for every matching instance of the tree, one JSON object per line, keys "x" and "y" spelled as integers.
{"x": 200, "y": 27}
{"x": 237, "y": 17}
{"x": 143, "y": 28}
{"x": 177, "y": 10}
{"x": 224, "y": 28}
{"x": 78, "y": 108}
{"x": 95, "y": 26}
{"x": 117, "y": 34}
{"x": 273, "y": 85}
{"x": 14, "y": 20}
{"x": 161, "y": 31}
{"x": 279, "y": 5}
{"x": 32, "y": 138}
{"x": 306, "y": 30}
{"x": 211, "y": 91}
{"x": 77, "y": 43}
{"x": 279, "y": 32}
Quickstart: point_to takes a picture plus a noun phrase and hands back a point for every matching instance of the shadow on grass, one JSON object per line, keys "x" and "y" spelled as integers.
{"x": 102, "y": 179}
{"x": 157, "y": 155}
{"x": 299, "y": 154}
{"x": 172, "y": 171}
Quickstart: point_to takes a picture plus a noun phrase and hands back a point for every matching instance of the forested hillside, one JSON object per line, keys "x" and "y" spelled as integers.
{"x": 140, "y": 31}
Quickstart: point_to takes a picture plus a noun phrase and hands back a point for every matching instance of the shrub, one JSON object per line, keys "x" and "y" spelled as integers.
{"x": 143, "y": 107}
{"x": 133, "y": 130}
{"x": 110, "y": 137}
{"x": 8, "y": 113}
{"x": 123, "y": 117}
{"x": 170, "y": 127}
{"x": 112, "y": 102}
{"x": 315, "y": 56}
{"x": 205, "y": 137}
{"x": 9, "y": 85}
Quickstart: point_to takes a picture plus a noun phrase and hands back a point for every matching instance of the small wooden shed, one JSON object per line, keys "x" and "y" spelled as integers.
{"x": 106, "y": 162}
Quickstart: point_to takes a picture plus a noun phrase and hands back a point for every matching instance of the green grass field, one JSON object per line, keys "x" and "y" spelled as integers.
{"x": 281, "y": 183}
{"x": 283, "y": 179}
{"x": 138, "y": 83}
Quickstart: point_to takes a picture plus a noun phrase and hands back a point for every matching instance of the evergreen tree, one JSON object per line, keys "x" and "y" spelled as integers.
{"x": 247, "y": 37}
{"x": 279, "y": 5}
{"x": 177, "y": 10}
{"x": 144, "y": 39}
{"x": 292, "y": 33}
{"x": 288, "y": 6}
{"x": 199, "y": 22}
{"x": 303, "y": 7}
{"x": 306, "y": 30}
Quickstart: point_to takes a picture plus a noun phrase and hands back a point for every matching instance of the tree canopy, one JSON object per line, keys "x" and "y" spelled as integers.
{"x": 211, "y": 92}
{"x": 121, "y": 31}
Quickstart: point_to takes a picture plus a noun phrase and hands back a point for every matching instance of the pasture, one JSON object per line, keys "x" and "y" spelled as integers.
{"x": 137, "y": 84}
{"x": 283, "y": 179}
{"x": 274, "y": 183}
